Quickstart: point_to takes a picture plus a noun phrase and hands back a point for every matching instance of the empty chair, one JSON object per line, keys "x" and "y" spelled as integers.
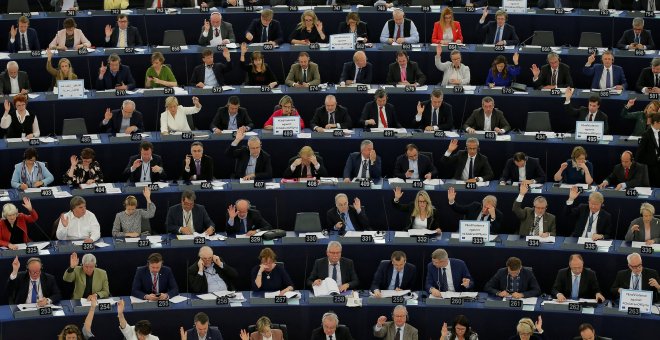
{"x": 538, "y": 121}
{"x": 18, "y": 6}
{"x": 74, "y": 126}
{"x": 307, "y": 222}
{"x": 174, "y": 38}
{"x": 544, "y": 38}
{"x": 591, "y": 39}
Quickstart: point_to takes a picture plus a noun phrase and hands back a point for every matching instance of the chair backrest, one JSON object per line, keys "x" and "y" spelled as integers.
{"x": 174, "y": 38}
{"x": 280, "y": 326}
{"x": 145, "y": 225}
{"x": 543, "y": 38}
{"x": 422, "y": 2}
{"x": 591, "y": 39}
{"x": 191, "y": 122}
{"x": 17, "y": 6}
{"x": 538, "y": 121}
{"x": 307, "y": 222}
{"x": 427, "y": 154}
{"x": 74, "y": 126}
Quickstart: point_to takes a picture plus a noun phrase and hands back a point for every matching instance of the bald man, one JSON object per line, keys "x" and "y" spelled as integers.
{"x": 358, "y": 71}
{"x": 627, "y": 174}
{"x": 210, "y": 273}
{"x": 242, "y": 219}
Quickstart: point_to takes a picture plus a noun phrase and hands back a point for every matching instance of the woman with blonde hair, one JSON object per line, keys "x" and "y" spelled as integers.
{"x": 528, "y": 330}
{"x": 13, "y": 225}
{"x": 645, "y": 228}
{"x": 286, "y": 109}
{"x": 309, "y": 30}
{"x": 306, "y": 165}
{"x": 263, "y": 332}
{"x": 128, "y": 223}
{"x": 175, "y": 116}
{"x": 447, "y": 30}
{"x": 423, "y": 214}
{"x": 64, "y": 70}
{"x": 642, "y": 118}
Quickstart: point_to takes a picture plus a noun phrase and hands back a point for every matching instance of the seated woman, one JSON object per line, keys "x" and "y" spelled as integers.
{"x": 354, "y": 25}
{"x": 70, "y": 37}
{"x": 501, "y": 74}
{"x": 57, "y": 5}
{"x": 309, "y": 30}
{"x": 286, "y": 109}
{"x": 268, "y": 276}
{"x": 174, "y": 118}
{"x": 645, "y": 228}
{"x": 159, "y": 74}
{"x": 30, "y": 173}
{"x": 128, "y": 223}
{"x": 264, "y": 332}
{"x": 13, "y": 225}
{"x": 19, "y": 122}
{"x": 642, "y": 118}
{"x": 577, "y": 169}
{"x": 84, "y": 170}
{"x": 447, "y": 30}
{"x": 64, "y": 70}
{"x": 257, "y": 72}
{"x": 423, "y": 214}
{"x": 461, "y": 330}
{"x": 306, "y": 165}
{"x": 115, "y": 4}
{"x": 527, "y": 330}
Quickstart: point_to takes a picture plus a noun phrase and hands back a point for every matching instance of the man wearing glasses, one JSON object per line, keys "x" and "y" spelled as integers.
{"x": 216, "y": 32}
{"x": 31, "y": 285}
{"x": 123, "y": 35}
{"x": 210, "y": 273}
{"x": 446, "y": 275}
{"x": 636, "y": 277}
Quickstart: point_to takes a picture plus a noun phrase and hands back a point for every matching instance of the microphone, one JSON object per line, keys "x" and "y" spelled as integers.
{"x": 42, "y": 232}
{"x": 616, "y": 229}
{"x": 277, "y": 216}
{"x": 188, "y": 265}
{"x": 146, "y": 30}
{"x": 526, "y": 40}
{"x": 387, "y": 220}
{"x": 283, "y": 72}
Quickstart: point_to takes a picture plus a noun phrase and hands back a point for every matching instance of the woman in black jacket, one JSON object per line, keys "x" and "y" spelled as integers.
{"x": 422, "y": 213}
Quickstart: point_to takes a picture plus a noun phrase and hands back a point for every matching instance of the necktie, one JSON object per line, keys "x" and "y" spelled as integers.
{"x": 398, "y": 32}
{"x": 608, "y": 81}
{"x": 637, "y": 38}
{"x": 304, "y": 76}
{"x": 635, "y": 282}
{"x": 343, "y": 217}
{"x": 159, "y": 4}
{"x": 590, "y": 117}
{"x": 536, "y": 229}
{"x": 334, "y": 272}
{"x": 626, "y": 173}
{"x": 329, "y": 337}
{"x": 575, "y": 289}
{"x": 198, "y": 166}
{"x": 657, "y": 80}
{"x": 244, "y": 223}
{"x": 498, "y": 35}
{"x": 553, "y": 80}
{"x": 357, "y": 71}
{"x": 470, "y": 172}
{"x": 34, "y": 292}
{"x": 434, "y": 117}
{"x": 589, "y": 224}
{"x": 332, "y": 118}
{"x": 23, "y": 44}
{"x": 122, "y": 38}
{"x": 217, "y": 32}
{"x": 397, "y": 281}
{"x": 403, "y": 74}
{"x": 398, "y": 334}
{"x": 557, "y": 3}
{"x": 154, "y": 286}
{"x": 264, "y": 33}
{"x": 365, "y": 165}
{"x": 443, "y": 281}
{"x": 382, "y": 116}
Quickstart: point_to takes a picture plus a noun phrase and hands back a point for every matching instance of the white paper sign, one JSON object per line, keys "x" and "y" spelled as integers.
{"x": 469, "y": 229}
{"x": 344, "y": 41}
{"x": 70, "y": 89}
{"x": 642, "y": 299}
{"x": 515, "y": 6}
{"x": 286, "y": 123}
{"x": 584, "y": 129}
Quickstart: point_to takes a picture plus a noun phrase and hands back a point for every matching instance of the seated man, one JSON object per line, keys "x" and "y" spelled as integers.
{"x": 336, "y": 267}
{"x": 13, "y": 81}
{"x": 605, "y": 75}
{"x": 187, "y": 217}
{"x": 497, "y": 32}
{"x": 216, "y": 32}
{"x": 576, "y": 282}
{"x": 590, "y": 220}
{"x": 32, "y": 285}
{"x": 590, "y": 114}
{"x": 514, "y": 281}
{"x": 210, "y": 73}
{"x": 379, "y": 113}
{"x": 587, "y": 332}
{"x": 627, "y": 174}
{"x": 197, "y": 165}
{"x": 251, "y": 161}
{"x": 202, "y": 327}
{"x": 210, "y": 273}
{"x": 469, "y": 165}
{"x": 399, "y": 30}
{"x": 487, "y": 118}
{"x": 436, "y": 116}
{"x": 475, "y": 211}
{"x": 438, "y": 280}
{"x": 124, "y": 120}
{"x": 358, "y": 71}
{"x": 242, "y": 219}
{"x": 331, "y": 329}
{"x": 397, "y": 328}
{"x": 26, "y": 40}
{"x": 395, "y": 274}
{"x": 552, "y": 75}
{"x": 141, "y": 329}
{"x": 535, "y": 221}
{"x": 303, "y": 73}
{"x": 636, "y": 277}
{"x": 231, "y": 117}
{"x": 306, "y": 164}
{"x": 265, "y": 29}
{"x": 331, "y": 116}
{"x": 154, "y": 281}
{"x": 90, "y": 282}
{"x": 343, "y": 217}
{"x": 522, "y": 168}
{"x": 145, "y": 167}
{"x": 454, "y": 72}
{"x": 556, "y": 4}
{"x": 649, "y": 78}
{"x": 404, "y": 72}
{"x": 413, "y": 165}
{"x": 78, "y": 223}
{"x": 636, "y": 38}
{"x": 364, "y": 164}
{"x": 118, "y": 77}
{"x": 123, "y": 35}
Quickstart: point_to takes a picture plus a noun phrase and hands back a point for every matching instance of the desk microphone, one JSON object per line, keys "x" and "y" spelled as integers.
{"x": 387, "y": 220}
{"x": 616, "y": 229}
{"x": 526, "y": 40}
{"x": 42, "y": 231}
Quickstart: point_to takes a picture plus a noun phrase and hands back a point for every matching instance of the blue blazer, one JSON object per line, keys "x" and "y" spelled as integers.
{"x": 348, "y": 73}
{"x": 384, "y": 275}
{"x": 489, "y": 29}
{"x": 459, "y": 271}
{"x": 529, "y": 287}
{"x": 213, "y": 334}
{"x": 174, "y": 219}
{"x": 114, "y": 124}
{"x": 124, "y": 75}
{"x": 353, "y": 163}
{"x": 33, "y": 41}
{"x": 618, "y": 77}
{"x": 142, "y": 283}
{"x": 533, "y": 170}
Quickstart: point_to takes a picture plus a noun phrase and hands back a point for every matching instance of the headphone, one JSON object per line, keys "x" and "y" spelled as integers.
{"x": 632, "y": 157}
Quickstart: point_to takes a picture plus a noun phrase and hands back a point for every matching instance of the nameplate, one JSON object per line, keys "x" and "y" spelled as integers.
{"x": 366, "y": 239}
{"x": 267, "y": 47}
{"x": 649, "y": 14}
{"x": 336, "y": 8}
{"x": 34, "y": 141}
{"x": 365, "y": 88}
{"x": 259, "y": 184}
{"x": 541, "y": 136}
{"x": 339, "y": 299}
{"x": 604, "y": 93}
{"x": 477, "y": 240}
{"x": 35, "y": 53}
{"x": 592, "y": 50}
{"x": 470, "y": 185}
{"x": 314, "y": 88}
{"x": 546, "y": 49}
{"x": 406, "y": 47}
{"x": 389, "y": 133}
{"x": 640, "y": 52}
{"x": 203, "y": 9}
{"x": 592, "y": 139}
{"x": 337, "y": 133}
{"x": 143, "y": 243}
{"x": 498, "y": 48}
{"x": 216, "y": 89}
{"x": 105, "y": 306}
{"x": 249, "y": 9}
{"x": 590, "y": 246}
{"x": 507, "y": 90}
{"x": 646, "y": 250}
{"x": 154, "y": 187}
{"x": 398, "y": 299}
{"x": 293, "y": 8}
{"x": 631, "y": 192}
{"x": 490, "y": 135}
{"x": 163, "y": 303}
{"x": 314, "y": 46}
{"x": 311, "y": 239}
{"x": 168, "y": 90}
{"x": 88, "y": 246}
{"x": 46, "y": 192}
{"x": 85, "y": 139}
{"x": 199, "y": 240}
{"x": 515, "y": 303}
{"x": 456, "y": 301}
{"x": 604, "y": 12}
{"x": 255, "y": 239}
{"x": 559, "y": 11}
{"x": 381, "y": 8}
{"x": 136, "y": 137}
{"x": 265, "y": 88}
{"x": 422, "y": 239}
{"x": 555, "y": 92}
{"x": 83, "y": 51}
{"x": 360, "y": 46}
{"x": 312, "y": 183}
{"x": 410, "y": 88}
{"x": 533, "y": 243}
{"x": 120, "y": 93}
{"x": 426, "y": 8}
{"x": 654, "y": 96}
{"x": 574, "y": 307}
{"x": 459, "y": 89}
{"x": 45, "y": 311}
{"x": 222, "y": 300}
{"x": 129, "y": 50}
{"x": 71, "y": 13}
{"x": 34, "y": 250}
{"x": 175, "y": 48}
{"x": 365, "y": 183}
{"x": 439, "y": 134}
{"x": 186, "y": 135}
{"x": 280, "y": 299}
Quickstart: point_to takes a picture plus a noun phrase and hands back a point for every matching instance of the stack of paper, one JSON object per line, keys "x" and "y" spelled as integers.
{"x": 327, "y": 287}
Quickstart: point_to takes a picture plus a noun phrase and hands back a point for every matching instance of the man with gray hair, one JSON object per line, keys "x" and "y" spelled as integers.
{"x": 535, "y": 221}
{"x": 210, "y": 273}
{"x": 343, "y": 217}
{"x": 649, "y": 78}
{"x": 89, "y": 282}
{"x": 454, "y": 71}
{"x": 336, "y": 267}
{"x": 331, "y": 116}
{"x": 590, "y": 220}
{"x": 125, "y": 120}
{"x": 114, "y": 75}
{"x": 13, "y": 81}
{"x": 444, "y": 274}
{"x": 486, "y": 210}
{"x": 364, "y": 164}
{"x": 252, "y": 162}
{"x": 78, "y": 223}
{"x": 636, "y": 38}
{"x": 358, "y": 71}
{"x": 216, "y": 31}
{"x": 487, "y": 118}
{"x": 396, "y": 329}
{"x": 330, "y": 329}
{"x": 399, "y": 30}
{"x": 552, "y": 75}
{"x": 469, "y": 164}
{"x": 188, "y": 217}
{"x": 636, "y": 277}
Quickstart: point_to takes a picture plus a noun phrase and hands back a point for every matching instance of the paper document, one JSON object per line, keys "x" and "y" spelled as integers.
{"x": 549, "y": 239}
{"x": 599, "y": 243}
{"x": 637, "y": 244}
{"x": 449, "y": 295}
{"x": 289, "y": 295}
{"x": 318, "y": 235}
{"x": 360, "y": 233}
{"x": 33, "y": 306}
{"x": 389, "y": 293}
{"x": 178, "y": 298}
{"x": 137, "y": 300}
{"x": 525, "y": 301}
{"x": 86, "y": 303}
{"x": 326, "y": 288}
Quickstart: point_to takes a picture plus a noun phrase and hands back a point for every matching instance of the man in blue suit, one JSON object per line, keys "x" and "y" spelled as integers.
{"x": 115, "y": 75}
{"x": 187, "y": 217}
{"x": 202, "y": 329}
{"x": 364, "y": 164}
{"x": 514, "y": 281}
{"x": 605, "y": 75}
{"x": 154, "y": 281}
{"x": 522, "y": 168}
{"x": 395, "y": 274}
{"x": 497, "y": 32}
{"x": 359, "y": 71}
{"x": 446, "y": 275}
{"x": 210, "y": 73}
{"x": 24, "y": 38}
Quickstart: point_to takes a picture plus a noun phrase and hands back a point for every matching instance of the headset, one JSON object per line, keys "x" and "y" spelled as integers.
{"x": 632, "y": 157}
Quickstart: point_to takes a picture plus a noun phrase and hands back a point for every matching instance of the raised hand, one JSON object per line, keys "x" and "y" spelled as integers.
{"x": 147, "y": 193}
{"x": 524, "y": 188}
{"x": 535, "y": 71}
{"x": 573, "y": 193}
{"x": 108, "y": 30}
{"x": 225, "y": 53}
{"x": 73, "y": 260}
{"x": 7, "y": 106}
{"x": 64, "y": 220}
{"x": 102, "y": 70}
{"x": 453, "y": 145}
{"x": 74, "y": 161}
{"x": 207, "y": 26}
{"x": 27, "y": 203}
{"x": 451, "y": 194}
{"x": 591, "y": 59}
{"x": 420, "y": 107}
{"x": 15, "y": 265}
{"x": 319, "y": 26}
{"x": 12, "y": 31}
{"x": 381, "y": 320}
{"x": 356, "y": 204}
{"x": 438, "y": 49}
{"x": 515, "y": 58}
{"x": 232, "y": 212}
{"x": 631, "y": 102}
{"x": 244, "y": 47}
{"x": 397, "y": 193}
{"x": 107, "y": 115}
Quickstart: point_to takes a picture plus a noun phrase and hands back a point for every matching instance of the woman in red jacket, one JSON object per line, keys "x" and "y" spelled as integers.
{"x": 446, "y": 30}
{"x": 13, "y": 225}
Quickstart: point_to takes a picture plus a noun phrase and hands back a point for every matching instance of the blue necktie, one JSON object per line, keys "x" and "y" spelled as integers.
{"x": 443, "y": 281}
{"x": 591, "y": 222}
{"x": 397, "y": 281}
{"x": 498, "y": 35}
{"x": 334, "y": 272}
{"x": 637, "y": 38}
{"x": 244, "y": 222}
{"x": 576, "y": 287}
{"x": 635, "y": 282}
{"x": 34, "y": 292}
{"x": 608, "y": 81}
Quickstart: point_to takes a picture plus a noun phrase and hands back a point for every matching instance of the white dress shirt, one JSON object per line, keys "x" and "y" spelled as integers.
{"x": 5, "y": 122}
{"x": 81, "y": 228}
{"x": 589, "y": 232}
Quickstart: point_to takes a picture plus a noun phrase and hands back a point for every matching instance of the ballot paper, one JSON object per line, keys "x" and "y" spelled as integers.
{"x": 289, "y": 295}
{"x": 178, "y": 298}
{"x": 87, "y": 303}
{"x": 599, "y": 243}
{"x": 351, "y": 233}
{"x": 33, "y": 306}
{"x": 549, "y": 239}
{"x": 37, "y": 190}
{"x": 387, "y": 293}
{"x": 449, "y": 295}
{"x": 327, "y": 287}
{"x": 414, "y": 232}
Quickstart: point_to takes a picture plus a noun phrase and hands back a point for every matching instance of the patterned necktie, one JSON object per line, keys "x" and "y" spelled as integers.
{"x": 635, "y": 282}
{"x": 154, "y": 285}
{"x": 382, "y": 116}
{"x": 365, "y": 165}
{"x": 198, "y": 167}
{"x": 34, "y": 292}
{"x": 122, "y": 38}
{"x": 217, "y": 32}
{"x": 553, "y": 80}
{"x": 537, "y": 228}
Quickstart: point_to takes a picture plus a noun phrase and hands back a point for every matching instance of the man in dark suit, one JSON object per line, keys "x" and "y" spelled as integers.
{"x": 345, "y": 275}
{"x": 576, "y": 282}
{"x": 154, "y": 281}
{"x": 358, "y": 71}
{"x": 251, "y": 161}
{"x": 395, "y": 274}
{"x": 216, "y": 31}
{"x": 365, "y": 164}
{"x": 330, "y": 329}
{"x": 210, "y": 73}
{"x": 32, "y": 285}
{"x": 648, "y": 151}
{"x": 476, "y": 211}
{"x": 627, "y": 174}
{"x": 113, "y": 121}
{"x": 24, "y": 38}
{"x": 163, "y": 3}
{"x": 306, "y": 164}
{"x": 379, "y": 113}
{"x": 343, "y": 217}
{"x": 522, "y": 168}
{"x": 210, "y": 273}
{"x": 605, "y": 75}
{"x": 497, "y": 32}
{"x": 553, "y": 4}
{"x": 231, "y": 117}
{"x": 552, "y": 75}
{"x": 404, "y": 72}
{"x": 413, "y": 165}
{"x": 514, "y": 281}
{"x": 487, "y": 118}
{"x": 123, "y": 35}
{"x": 197, "y": 165}
{"x": 203, "y": 329}
{"x": 265, "y": 29}
{"x": 434, "y": 114}
{"x": 187, "y": 217}
{"x": 535, "y": 221}
{"x": 590, "y": 220}
{"x": 469, "y": 165}
{"x": 643, "y": 5}
{"x": 437, "y": 280}
{"x": 587, "y": 332}
{"x": 243, "y": 219}
{"x": 636, "y": 277}
{"x": 145, "y": 167}
{"x": 13, "y": 81}
{"x": 591, "y": 113}
{"x": 636, "y": 38}
{"x": 331, "y": 116}
{"x": 118, "y": 76}
{"x": 649, "y": 78}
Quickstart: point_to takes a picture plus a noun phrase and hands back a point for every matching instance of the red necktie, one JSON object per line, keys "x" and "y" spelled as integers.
{"x": 398, "y": 32}
{"x": 159, "y": 4}
{"x": 382, "y": 116}
{"x": 154, "y": 287}
{"x": 625, "y": 175}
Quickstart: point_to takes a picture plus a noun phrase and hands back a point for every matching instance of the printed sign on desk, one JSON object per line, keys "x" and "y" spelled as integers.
{"x": 515, "y": 6}
{"x": 291, "y": 123}
{"x": 67, "y": 89}
{"x": 471, "y": 229}
{"x": 344, "y": 41}
{"x": 642, "y": 299}
{"x": 584, "y": 129}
